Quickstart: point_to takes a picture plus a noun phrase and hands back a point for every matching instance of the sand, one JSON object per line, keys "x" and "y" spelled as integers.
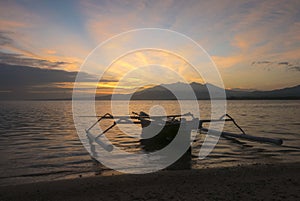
{"x": 254, "y": 182}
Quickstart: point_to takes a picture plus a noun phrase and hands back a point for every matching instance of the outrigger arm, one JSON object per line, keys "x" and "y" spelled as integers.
{"x": 243, "y": 135}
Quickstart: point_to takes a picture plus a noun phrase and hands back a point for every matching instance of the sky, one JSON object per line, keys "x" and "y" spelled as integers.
{"x": 254, "y": 44}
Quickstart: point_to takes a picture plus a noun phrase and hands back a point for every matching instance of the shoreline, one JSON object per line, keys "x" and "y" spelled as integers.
{"x": 263, "y": 182}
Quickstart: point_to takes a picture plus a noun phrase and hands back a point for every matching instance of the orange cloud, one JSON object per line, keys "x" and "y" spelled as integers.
{"x": 50, "y": 51}
{"x": 146, "y": 67}
{"x": 229, "y": 61}
{"x": 241, "y": 42}
{"x": 9, "y": 24}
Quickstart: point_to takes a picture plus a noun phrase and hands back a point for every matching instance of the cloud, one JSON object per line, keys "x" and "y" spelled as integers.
{"x": 10, "y": 25}
{"x": 158, "y": 62}
{"x": 224, "y": 62}
{"x": 108, "y": 18}
{"x": 260, "y": 62}
{"x": 44, "y": 31}
{"x": 235, "y": 33}
{"x": 283, "y": 63}
{"x": 288, "y": 65}
{"x": 12, "y": 54}
{"x": 23, "y": 81}
{"x": 4, "y": 39}
{"x": 25, "y": 57}
{"x": 248, "y": 30}
{"x": 21, "y": 75}
{"x": 19, "y": 59}
{"x": 50, "y": 51}
{"x": 294, "y": 68}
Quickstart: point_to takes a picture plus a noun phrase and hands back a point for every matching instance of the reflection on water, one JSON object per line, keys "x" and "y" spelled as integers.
{"x": 38, "y": 140}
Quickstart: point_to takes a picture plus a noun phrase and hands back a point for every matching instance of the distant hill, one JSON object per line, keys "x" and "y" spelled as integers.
{"x": 18, "y": 82}
{"x": 163, "y": 92}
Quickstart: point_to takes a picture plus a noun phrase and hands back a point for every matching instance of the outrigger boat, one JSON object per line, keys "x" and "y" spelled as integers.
{"x": 168, "y": 127}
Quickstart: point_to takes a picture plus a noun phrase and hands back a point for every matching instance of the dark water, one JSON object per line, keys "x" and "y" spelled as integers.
{"x": 38, "y": 140}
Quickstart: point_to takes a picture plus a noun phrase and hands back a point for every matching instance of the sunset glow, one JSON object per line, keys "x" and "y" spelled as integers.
{"x": 255, "y": 45}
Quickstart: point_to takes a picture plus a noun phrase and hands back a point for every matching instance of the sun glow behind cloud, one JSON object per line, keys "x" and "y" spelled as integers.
{"x": 145, "y": 68}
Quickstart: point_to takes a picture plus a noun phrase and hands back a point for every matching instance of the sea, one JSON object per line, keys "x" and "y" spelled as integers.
{"x": 39, "y": 141}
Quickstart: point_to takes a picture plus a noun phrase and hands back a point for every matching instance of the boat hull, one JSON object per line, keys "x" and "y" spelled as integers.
{"x": 167, "y": 132}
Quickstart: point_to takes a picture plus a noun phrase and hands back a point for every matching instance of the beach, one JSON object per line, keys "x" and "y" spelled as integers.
{"x": 252, "y": 182}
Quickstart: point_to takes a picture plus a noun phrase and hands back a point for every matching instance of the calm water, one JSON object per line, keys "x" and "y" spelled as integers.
{"x": 38, "y": 140}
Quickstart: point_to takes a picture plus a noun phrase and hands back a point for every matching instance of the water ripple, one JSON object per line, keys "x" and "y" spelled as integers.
{"x": 38, "y": 139}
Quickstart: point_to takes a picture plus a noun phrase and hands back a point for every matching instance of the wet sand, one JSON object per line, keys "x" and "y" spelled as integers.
{"x": 254, "y": 182}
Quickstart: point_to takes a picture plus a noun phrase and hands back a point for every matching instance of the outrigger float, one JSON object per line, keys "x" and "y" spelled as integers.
{"x": 168, "y": 127}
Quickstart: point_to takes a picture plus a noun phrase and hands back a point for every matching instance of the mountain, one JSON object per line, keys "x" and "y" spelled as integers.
{"x": 182, "y": 91}
{"x": 291, "y": 92}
